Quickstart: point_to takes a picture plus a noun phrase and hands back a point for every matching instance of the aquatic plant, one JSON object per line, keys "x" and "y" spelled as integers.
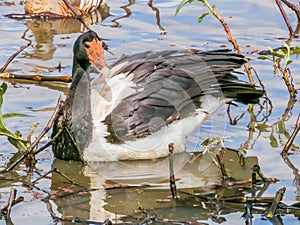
{"x": 279, "y": 55}
{"x": 14, "y": 138}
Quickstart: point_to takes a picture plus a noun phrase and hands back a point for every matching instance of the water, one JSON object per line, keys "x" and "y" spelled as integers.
{"x": 132, "y": 27}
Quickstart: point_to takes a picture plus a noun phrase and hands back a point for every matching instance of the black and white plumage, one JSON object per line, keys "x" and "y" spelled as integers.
{"x": 145, "y": 101}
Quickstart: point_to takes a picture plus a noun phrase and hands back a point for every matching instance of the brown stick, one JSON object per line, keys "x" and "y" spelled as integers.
{"x": 271, "y": 212}
{"x": 11, "y": 202}
{"x": 286, "y": 19}
{"x": 171, "y": 168}
{"x": 220, "y": 157}
{"x": 36, "y": 77}
{"x": 292, "y": 7}
{"x": 16, "y": 53}
{"x": 291, "y": 139}
{"x": 12, "y": 197}
{"x": 32, "y": 146}
{"x": 78, "y": 16}
{"x": 230, "y": 38}
{"x": 58, "y": 172}
{"x": 13, "y": 56}
{"x": 157, "y": 13}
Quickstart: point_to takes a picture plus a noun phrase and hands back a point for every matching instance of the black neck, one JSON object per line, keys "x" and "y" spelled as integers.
{"x": 78, "y": 107}
{"x": 82, "y": 65}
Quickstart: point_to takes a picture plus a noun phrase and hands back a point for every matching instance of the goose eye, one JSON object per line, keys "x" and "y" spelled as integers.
{"x": 86, "y": 45}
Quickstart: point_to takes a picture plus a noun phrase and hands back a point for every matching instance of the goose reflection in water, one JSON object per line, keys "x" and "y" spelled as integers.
{"x": 115, "y": 187}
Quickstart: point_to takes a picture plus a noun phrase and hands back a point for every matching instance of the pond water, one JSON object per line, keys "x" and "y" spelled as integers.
{"x": 130, "y": 27}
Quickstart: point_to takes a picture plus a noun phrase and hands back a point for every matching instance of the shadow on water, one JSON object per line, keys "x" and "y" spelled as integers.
{"x": 139, "y": 192}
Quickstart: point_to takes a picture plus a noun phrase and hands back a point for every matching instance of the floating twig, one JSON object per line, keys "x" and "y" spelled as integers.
{"x": 8, "y": 75}
{"x": 238, "y": 182}
{"x": 16, "y": 201}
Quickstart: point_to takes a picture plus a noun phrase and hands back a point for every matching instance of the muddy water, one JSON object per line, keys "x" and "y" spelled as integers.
{"x": 130, "y": 27}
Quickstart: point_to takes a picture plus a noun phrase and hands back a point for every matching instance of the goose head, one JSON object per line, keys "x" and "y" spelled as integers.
{"x": 89, "y": 50}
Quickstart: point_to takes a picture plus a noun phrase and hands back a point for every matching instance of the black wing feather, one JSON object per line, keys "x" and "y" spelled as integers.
{"x": 168, "y": 87}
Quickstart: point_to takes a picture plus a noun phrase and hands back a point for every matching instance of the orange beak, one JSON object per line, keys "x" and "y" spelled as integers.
{"x": 95, "y": 53}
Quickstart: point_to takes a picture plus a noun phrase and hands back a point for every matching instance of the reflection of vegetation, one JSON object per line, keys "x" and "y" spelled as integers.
{"x": 285, "y": 17}
{"x": 276, "y": 57}
{"x": 277, "y": 131}
{"x": 14, "y": 138}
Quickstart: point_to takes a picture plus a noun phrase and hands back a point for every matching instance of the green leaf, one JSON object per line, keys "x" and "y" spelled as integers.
{"x": 264, "y": 58}
{"x": 7, "y": 133}
{"x": 208, "y": 141}
{"x": 202, "y": 17}
{"x": 288, "y": 62}
{"x": 273, "y": 141}
{"x": 288, "y": 49}
{"x": 3, "y": 89}
{"x": 14, "y": 139}
{"x": 184, "y": 2}
{"x": 181, "y": 4}
{"x": 295, "y": 49}
{"x": 11, "y": 115}
{"x": 262, "y": 127}
{"x": 20, "y": 145}
{"x": 281, "y": 127}
{"x": 271, "y": 50}
{"x": 280, "y": 53}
